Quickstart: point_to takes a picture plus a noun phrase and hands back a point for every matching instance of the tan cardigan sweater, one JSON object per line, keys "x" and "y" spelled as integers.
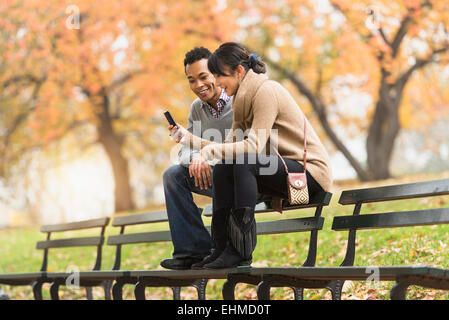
{"x": 264, "y": 108}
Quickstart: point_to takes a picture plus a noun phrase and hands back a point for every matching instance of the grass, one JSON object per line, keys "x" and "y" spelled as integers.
{"x": 399, "y": 246}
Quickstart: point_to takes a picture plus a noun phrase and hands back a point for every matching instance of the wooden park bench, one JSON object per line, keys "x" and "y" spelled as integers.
{"x": 196, "y": 278}
{"x": 37, "y": 279}
{"x": 119, "y": 277}
{"x": 333, "y": 278}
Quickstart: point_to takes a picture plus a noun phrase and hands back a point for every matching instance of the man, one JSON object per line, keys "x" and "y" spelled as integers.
{"x": 212, "y": 110}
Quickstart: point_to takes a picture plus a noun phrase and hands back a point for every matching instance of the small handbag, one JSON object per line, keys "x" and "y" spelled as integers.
{"x": 298, "y": 192}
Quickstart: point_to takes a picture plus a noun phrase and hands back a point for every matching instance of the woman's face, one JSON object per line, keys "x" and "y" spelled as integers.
{"x": 231, "y": 81}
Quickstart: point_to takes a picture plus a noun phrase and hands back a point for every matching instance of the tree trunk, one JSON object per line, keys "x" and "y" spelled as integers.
{"x": 383, "y": 131}
{"x": 112, "y": 144}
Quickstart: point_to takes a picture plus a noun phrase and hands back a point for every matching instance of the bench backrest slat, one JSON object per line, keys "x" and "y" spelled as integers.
{"x": 87, "y": 224}
{"x": 73, "y": 242}
{"x": 290, "y": 225}
{"x": 150, "y": 217}
{"x": 139, "y": 237}
{"x": 319, "y": 199}
{"x": 265, "y": 227}
{"x": 392, "y": 219}
{"x": 396, "y": 192}
{"x": 142, "y": 218}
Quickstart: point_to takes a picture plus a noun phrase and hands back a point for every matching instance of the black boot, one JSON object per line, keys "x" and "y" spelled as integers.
{"x": 230, "y": 258}
{"x": 242, "y": 231}
{"x": 242, "y": 240}
{"x": 219, "y": 227}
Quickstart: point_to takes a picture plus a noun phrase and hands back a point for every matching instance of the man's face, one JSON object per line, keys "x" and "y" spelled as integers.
{"x": 202, "y": 82}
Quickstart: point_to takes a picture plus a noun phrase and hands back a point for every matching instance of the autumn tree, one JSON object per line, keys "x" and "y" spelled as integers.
{"x": 101, "y": 64}
{"x": 386, "y": 49}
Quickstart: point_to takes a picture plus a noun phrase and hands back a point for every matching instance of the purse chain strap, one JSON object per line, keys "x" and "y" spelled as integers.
{"x": 305, "y": 151}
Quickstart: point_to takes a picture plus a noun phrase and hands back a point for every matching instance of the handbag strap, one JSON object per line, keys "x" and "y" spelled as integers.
{"x": 305, "y": 151}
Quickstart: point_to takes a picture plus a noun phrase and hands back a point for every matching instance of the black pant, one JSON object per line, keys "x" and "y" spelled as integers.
{"x": 236, "y": 184}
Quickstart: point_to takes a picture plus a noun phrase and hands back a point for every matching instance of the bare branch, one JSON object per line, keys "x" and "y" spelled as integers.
{"x": 420, "y": 63}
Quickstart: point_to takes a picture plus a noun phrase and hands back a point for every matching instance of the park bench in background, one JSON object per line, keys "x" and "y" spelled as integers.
{"x": 121, "y": 277}
{"x": 307, "y": 224}
{"x": 333, "y": 278}
{"x": 37, "y": 279}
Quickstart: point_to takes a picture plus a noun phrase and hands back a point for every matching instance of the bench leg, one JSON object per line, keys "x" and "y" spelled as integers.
{"x": 263, "y": 290}
{"x": 117, "y": 290}
{"x": 89, "y": 294}
{"x": 37, "y": 290}
{"x": 232, "y": 280}
{"x": 200, "y": 286}
{"x": 336, "y": 287}
{"x": 139, "y": 291}
{"x": 298, "y": 293}
{"x": 399, "y": 291}
{"x": 176, "y": 293}
{"x": 107, "y": 286}
{"x": 54, "y": 290}
{"x": 228, "y": 290}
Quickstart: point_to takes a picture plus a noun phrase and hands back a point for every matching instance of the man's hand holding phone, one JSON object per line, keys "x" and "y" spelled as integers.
{"x": 199, "y": 168}
{"x": 177, "y": 132}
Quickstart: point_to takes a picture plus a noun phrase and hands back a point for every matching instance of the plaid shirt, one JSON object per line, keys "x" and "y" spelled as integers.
{"x": 222, "y": 101}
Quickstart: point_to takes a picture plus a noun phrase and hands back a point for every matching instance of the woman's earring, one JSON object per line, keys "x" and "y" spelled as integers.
{"x": 240, "y": 81}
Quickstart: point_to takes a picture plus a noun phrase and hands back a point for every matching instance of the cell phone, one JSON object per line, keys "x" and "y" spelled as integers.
{"x": 170, "y": 118}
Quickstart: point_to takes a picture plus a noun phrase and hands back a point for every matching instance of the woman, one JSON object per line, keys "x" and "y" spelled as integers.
{"x": 265, "y": 116}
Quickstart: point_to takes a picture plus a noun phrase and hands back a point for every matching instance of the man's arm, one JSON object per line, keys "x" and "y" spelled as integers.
{"x": 186, "y": 154}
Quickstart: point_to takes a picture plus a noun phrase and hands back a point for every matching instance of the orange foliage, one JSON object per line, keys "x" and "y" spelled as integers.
{"x": 355, "y": 38}
{"x": 132, "y": 46}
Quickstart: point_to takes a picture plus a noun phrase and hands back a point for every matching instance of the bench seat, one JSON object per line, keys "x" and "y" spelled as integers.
{"x": 19, "y": 279}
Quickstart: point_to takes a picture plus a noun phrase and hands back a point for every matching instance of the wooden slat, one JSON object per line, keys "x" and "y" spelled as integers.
{"x": 265, "y": 227}
{"x": 392, "y": 219}
{"x": 141, "y": 237}
{"x": 87, "y": 224}
{"x": 348, "y": 273}
{"x": 322, "y": 198}
{"x": 290, "y": 225}
{"x": 74, "y": 242}
{"x": 133, "y": 219}
{"x": 141, "y": 218}
{"x": 396, "y": 192}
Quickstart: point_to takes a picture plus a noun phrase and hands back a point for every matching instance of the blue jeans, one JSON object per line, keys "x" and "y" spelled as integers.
{"x": 189, "y": 236}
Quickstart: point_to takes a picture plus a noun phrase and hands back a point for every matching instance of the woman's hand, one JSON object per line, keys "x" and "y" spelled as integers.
{"x": 201, "y": 171}
{"x": 177, "y": 132}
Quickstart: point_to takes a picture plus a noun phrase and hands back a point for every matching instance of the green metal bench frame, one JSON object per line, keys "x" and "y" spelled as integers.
{"x": 37, "y": 279}
{"x": 333, "y": 278}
